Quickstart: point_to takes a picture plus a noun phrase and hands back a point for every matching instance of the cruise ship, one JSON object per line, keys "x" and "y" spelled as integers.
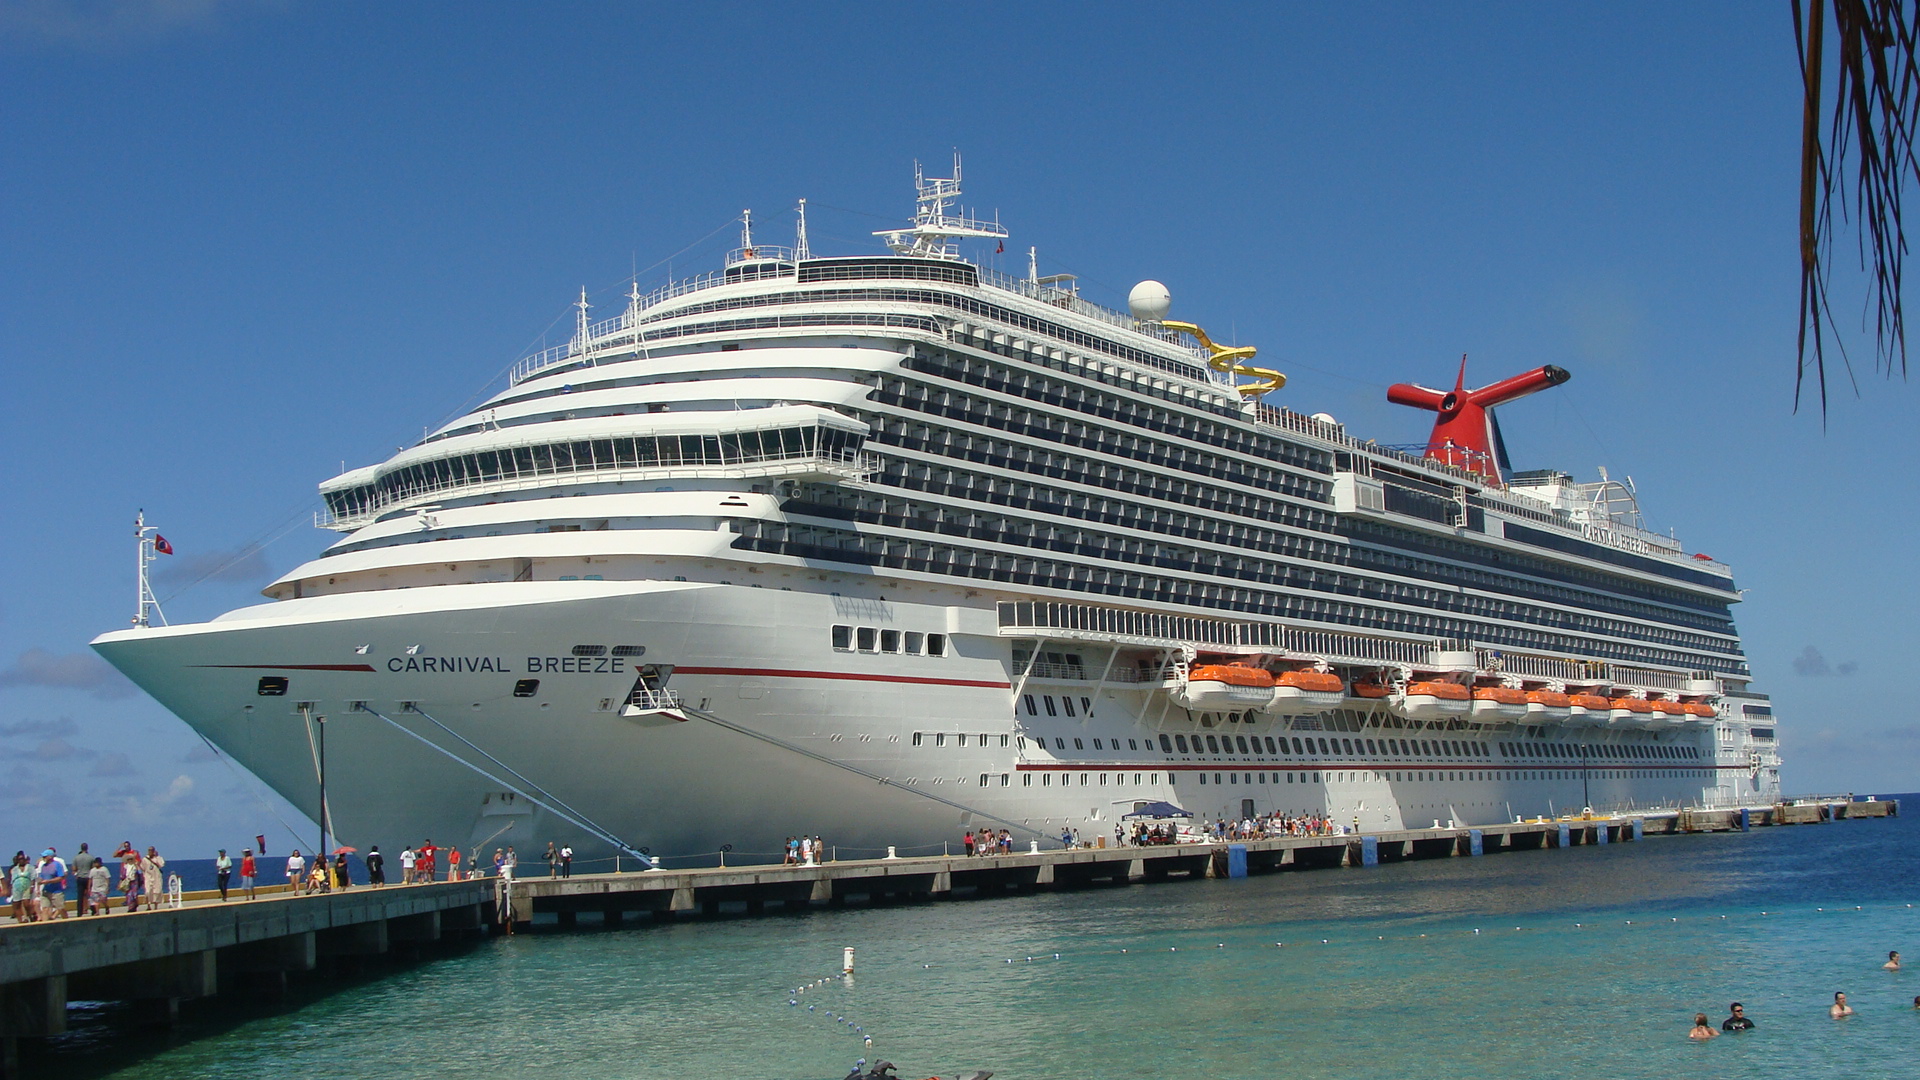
{"x": 885, "y": 547}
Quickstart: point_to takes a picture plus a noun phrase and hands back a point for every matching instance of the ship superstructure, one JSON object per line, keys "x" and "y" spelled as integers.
{"x": 884, "y": 546}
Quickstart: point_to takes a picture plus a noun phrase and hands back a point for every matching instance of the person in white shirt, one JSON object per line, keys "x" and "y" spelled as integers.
{"x": 296, "y": 871}
{"x": 406, "y": 865}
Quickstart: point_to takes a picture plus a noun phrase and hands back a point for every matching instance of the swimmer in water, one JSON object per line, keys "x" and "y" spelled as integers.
{"x": 1701, "y": 1029}
{"x": 1839, "y": 1008}
{"x": 1736, "y": 1019}
{"x": 1893, "y": 961}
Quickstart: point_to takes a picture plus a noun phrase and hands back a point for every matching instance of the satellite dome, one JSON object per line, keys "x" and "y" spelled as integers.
{"x": 1149, "y": 301}
{"x": 1325, "y": 418}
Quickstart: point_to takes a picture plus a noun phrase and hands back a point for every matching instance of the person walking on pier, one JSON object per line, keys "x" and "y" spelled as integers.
{"x": 83, "y": 863}
{"x": 566, "y": 860}
{"x": 131, "y": 884}
{"x": 222, "y": 873}
{"x": 342, "y": 872}
{"x": 376, "y": 866}
{"x": 406, "y": 865}
{"x": 20, "y": 881}
{"x": 552, "y": 856}
{"x": 423, "y": 860}
{"x": 98, "y": 882}
{"x": 296, "y": 872}
{"x": 151, "y": 870}
{"x": 247, "y": 871}
{"x": 53, "y": 885}
{"x": 453, "y": 864}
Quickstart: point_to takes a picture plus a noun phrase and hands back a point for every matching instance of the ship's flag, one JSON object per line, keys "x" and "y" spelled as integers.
{"x": 261, "y": 839}
{"x": 1001, "y": 249}
{"x": 160, "y": 545}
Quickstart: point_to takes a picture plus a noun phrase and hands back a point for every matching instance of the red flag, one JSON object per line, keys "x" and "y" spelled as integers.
{"x": 262, "y": 841}
{"x": 160, "y": 545}
{"x": 1001, "y": 250}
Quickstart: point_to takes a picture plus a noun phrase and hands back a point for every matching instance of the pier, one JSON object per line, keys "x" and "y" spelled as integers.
{"x": 669, "y": 894}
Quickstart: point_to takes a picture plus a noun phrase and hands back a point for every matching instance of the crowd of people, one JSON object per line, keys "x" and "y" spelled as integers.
{"x": 52, "y": 886}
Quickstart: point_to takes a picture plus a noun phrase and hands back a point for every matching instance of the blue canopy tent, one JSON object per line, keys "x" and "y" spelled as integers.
{"x": 1157, "y": 810}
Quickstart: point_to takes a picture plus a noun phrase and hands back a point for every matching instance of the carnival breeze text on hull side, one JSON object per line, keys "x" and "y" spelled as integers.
{"x": 882, "y": 547}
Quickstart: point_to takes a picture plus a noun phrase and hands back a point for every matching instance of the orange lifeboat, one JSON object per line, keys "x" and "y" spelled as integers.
{"x": 1700, "y": 710}
{"x": 1434, "y": 700}
{"x": 1590, "y": 709}
{"x": 1630, "y": 712}
{"x": 1227, "y": 687}
{"x": 1549, "y": 707}
{"x": 1300, "y": 693}
{"x": 1368, "y": 690}
{"x": 1668, "y": 712}
{"x": 1499, "y": 703}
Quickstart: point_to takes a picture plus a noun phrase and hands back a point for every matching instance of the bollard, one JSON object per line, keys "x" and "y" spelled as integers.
{"x": 1476, "y": 842}
{"x": 1369, "y": 851}
{"x": 846, "y": 960}
{"x": 1566, "y": 835}
{"x": 1746, "y": 820}
{"x": 890, "y": 852}
{"x": 1033, "y": 847}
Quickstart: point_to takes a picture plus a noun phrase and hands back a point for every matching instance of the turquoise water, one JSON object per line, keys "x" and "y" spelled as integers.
{"x": 1585, "y": 962}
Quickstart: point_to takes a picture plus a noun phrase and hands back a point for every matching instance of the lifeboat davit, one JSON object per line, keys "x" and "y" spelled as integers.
{"x": 1433, "y": 701}
{"x": 1589, "y": 710}
{"x": 1229, "y": 687}
{"x": 1549, "y": 707}
{"x": 1499, "y": 704}
{"x": 1629, "y": 712}
{"x": 1299, "y": 693}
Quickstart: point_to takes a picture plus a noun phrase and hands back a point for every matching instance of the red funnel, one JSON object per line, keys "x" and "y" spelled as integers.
{"x": 1463, "y": 434}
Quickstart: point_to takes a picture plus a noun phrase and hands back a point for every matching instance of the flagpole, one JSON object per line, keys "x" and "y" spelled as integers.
{"x": 140, "y": 572}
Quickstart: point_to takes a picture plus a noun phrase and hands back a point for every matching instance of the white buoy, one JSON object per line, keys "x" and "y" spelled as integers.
{"x": 846, "y": 960}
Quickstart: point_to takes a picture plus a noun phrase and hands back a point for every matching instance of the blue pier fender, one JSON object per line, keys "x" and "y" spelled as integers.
{"x": 1746, "y": 820}
{"x": 1236, "y": 860}
{"x": 1639, "y": 824}
{"x": 1369, "y": 851}
{"x": 1566, "y": 835}
{"x": 1476, "y": 842}
{"x": 1600, "y": 834}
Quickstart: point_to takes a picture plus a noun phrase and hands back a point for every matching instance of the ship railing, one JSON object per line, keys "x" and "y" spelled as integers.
{"x": 854, "y": 468}
{"x": 1152, "y": 673}
{"x": 610, "y": 333}
{"x": 1527, "y": 665}
{"x": 1100, "y": 623}
{"x": 1649, "y": 678}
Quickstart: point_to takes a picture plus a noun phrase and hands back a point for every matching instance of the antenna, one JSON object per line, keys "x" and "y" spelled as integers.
{"x": 800, "y": 250}
{"x": 935, "y": 228}
{"x": 580, "y": 322}
{"x": 746, "y": 233}
{"x": 1033, "y": 264}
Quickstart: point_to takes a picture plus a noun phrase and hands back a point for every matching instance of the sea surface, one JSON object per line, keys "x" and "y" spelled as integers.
{"x": 1583, "y": 962}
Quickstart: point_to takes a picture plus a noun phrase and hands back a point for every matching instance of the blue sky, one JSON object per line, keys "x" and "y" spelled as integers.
{"x": 248, "y": 242}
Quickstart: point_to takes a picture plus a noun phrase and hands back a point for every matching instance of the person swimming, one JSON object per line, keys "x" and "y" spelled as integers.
{"x": 1839, "y": 1008}
{"x": 1736, "y": 1019}
{"x": 1701, "y": 1029}
{"x": 1893, "y": 961}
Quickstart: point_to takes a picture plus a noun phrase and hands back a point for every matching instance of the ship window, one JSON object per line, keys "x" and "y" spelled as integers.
{"x": 1083, "y": 779}
{"x": 1046, "y": 779}
{"x": 1103, "y": 779}
{"x": 1203, "y": 778}
{"x": 1059, "y": 743}
{"x": 589, "y": 650}
{"x": 1086, "y": 706}
{"x": 1324, "y": 748}
{"x": 1346, "y": 746}
{"x": 940, "y": 738}
{"x": 843, "y": 637}
{"x": 1242, "y": 741}
{"x": 1067, "y": 704}
{"x": 1003, "y": 779}
{"x": 869, "y": 639}
{"x": 1097, "y": 746}
{"x": 1003, "y": 740}
{"x": 1166, "y": 745}
{"x": 1297, "y": 747}
{"x": 983, "y": 779}
{"x": 936, "y": 644}
{"x": 1213, "y": 745}
{"x": 1370, "y": 749}
{"x": 1048, "y": 700}
{"x": 526, "y": 687}
{"x": 1032, "y": 710}
{"x": 916, "y": 642}
{"x": 1026, "y": 779}
{"x": 1078, "y": 745}
{"x": 629, "y": 650}
{"x": 1270, "y": 747}
{"x": 1182, "y": 740}
{"x": 890, "y": 641}
{"x": 1132, "y": 744}
{"x": 271, "y": 686}
{"x": 916, "y": 738}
